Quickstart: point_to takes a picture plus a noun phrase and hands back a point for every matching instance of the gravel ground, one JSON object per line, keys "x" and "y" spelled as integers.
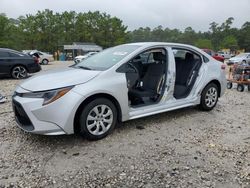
{"x": 183, "y": 148}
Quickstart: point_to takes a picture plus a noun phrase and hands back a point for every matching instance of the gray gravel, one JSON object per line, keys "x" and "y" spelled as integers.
{"x": 183, "y": 148}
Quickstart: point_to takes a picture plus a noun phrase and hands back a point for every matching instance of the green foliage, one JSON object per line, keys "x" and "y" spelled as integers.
{"x": 230, "y": 42}
{"x": 49, "y": 31}
{"x": 244, "y": 37}
{"x": 204, "y": 43}
{"x": 219, "y": 36}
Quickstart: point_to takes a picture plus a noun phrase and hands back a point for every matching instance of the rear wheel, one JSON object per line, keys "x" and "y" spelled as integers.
{"x": 98, "y": 119}
{"x": 209, "y": 97}
{"x": 19, "y": 72}
{"x": 45, "y": 62}
{"x": 240, "y": 88}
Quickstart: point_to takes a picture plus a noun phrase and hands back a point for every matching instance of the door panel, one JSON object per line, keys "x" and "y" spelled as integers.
{"x": 5, "y": 63}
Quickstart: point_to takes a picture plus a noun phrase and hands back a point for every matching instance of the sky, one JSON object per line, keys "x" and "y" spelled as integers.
{"x": 178, "y": 14}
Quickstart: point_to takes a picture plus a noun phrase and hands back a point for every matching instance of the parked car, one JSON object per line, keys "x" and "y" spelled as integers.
{"x": 118, "y": 84}
{"x": 214, "y": 55}
{"x": 16, "y": 64}
{"x": 79, "y": 58}
{"x": 243, "y": 58}
{"x": 44, "y": 58}
{"x": 226, "y": 55}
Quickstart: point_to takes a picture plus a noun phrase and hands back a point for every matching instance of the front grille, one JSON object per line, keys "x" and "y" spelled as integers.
{"x": 21, "y": 116}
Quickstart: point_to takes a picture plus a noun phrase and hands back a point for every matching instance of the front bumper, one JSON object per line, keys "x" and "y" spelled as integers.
{"x": 55, "y": 118}
{"x": 230, "y": 62}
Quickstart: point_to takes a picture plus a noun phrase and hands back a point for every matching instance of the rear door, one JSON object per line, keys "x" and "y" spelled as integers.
{"x": 187, "y": 64}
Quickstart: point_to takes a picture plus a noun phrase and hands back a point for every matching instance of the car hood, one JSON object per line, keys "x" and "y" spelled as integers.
{"x": 81, "y": 57}
{"x": 59, "y": 78}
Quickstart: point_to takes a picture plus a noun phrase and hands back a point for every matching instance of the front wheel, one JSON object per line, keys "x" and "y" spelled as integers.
{"x": 209, "y": 97}
{"x": 98, "y": 119}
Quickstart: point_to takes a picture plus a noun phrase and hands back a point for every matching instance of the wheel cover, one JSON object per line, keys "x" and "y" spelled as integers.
{"x": 211, "y": 97}
{"x": 19, "y": 72}
{"x": 45, "y": 61}
{"x": 229, "y": 85}
{"x": 99, "y": 119}
{"x": 240, "y": 88}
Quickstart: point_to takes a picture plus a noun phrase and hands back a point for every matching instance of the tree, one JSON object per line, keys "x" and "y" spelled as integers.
{"x": 158, "y": 34}
{"x": 4, "y": 26}
{"x": 47, "y": 31}
{"x": 204, "y": 43}
{"x": 189, "y": 36}
{"x": 230, "y": 42}
{"x": 244, "y": 36}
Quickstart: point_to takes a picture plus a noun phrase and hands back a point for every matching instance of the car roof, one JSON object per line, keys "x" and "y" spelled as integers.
{"x": 246, "y": 53}
{"x": 159, "y": 43}
{"x": 10, "y": 50}
{"x": 149, "y": 44}
{"x": 171, "y": 44}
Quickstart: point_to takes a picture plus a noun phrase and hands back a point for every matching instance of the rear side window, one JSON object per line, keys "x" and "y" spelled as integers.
{"x": 182, "y": 54}
{"x": 4, "y": 54}
{"x": 205, "y": 59}
{"x": 14, "y": 54}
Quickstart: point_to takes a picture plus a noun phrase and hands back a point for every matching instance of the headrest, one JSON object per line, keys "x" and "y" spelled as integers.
{"x": 158, "y": 56}
{"x": 189, "y": 57}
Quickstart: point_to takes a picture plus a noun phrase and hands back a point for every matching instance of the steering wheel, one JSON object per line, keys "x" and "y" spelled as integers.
{"x": 133, "y": 77}
{"x": 133, "y": 67}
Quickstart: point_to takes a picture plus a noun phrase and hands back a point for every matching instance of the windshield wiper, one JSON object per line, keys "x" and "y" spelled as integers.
{"x": 83, "y": 67}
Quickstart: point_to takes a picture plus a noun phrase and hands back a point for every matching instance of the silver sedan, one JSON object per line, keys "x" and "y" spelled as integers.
{"x": 118, "y": 84}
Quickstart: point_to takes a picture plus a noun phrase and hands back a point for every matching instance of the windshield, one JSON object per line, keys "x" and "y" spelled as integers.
{"x": 107, "y": 58}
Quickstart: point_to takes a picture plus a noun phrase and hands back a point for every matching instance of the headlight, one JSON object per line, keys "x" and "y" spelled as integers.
{"x": 48, "y": 96}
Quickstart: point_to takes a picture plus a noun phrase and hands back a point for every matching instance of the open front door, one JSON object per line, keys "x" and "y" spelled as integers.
{"x": 146, "y": 75}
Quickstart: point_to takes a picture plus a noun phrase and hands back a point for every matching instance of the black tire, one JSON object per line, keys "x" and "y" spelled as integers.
{"x": 19, "y": 72}
{"x": 208, "y": 103}
{"x": 100, "y": 119}
{"x": 248, "y": 87}
{"x": 240, "y": 88}
{"x": 229, "y": 85}
{"x": 45, "y": 62}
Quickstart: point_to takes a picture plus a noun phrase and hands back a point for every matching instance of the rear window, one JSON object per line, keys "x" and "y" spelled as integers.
{"x": 13, "y": 54}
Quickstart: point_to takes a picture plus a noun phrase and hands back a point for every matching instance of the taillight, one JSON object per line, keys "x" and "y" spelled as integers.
{"x": 223, "y": 66}
{"x": 36, "y": 59}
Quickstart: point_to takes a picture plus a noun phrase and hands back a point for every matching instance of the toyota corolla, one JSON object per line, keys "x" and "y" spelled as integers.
{"x": 118, "y": 84}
